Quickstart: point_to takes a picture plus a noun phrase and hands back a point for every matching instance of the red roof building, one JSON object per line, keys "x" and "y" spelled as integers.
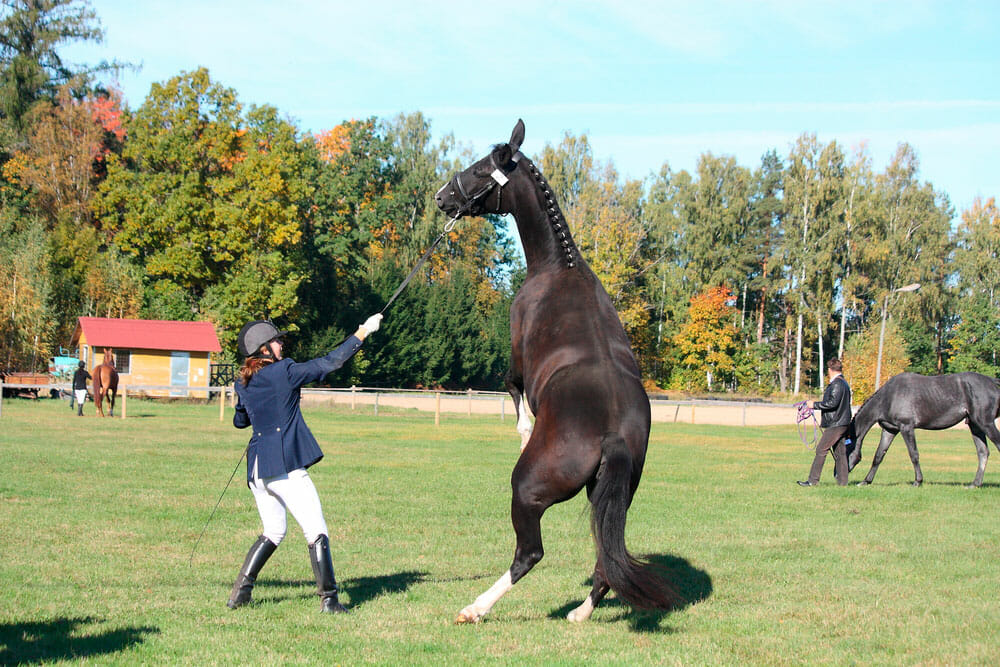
{"x": 147, "y": 353}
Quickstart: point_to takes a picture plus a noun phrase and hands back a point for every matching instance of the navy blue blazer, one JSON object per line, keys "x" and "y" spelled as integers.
{"x": 281, "y": 441}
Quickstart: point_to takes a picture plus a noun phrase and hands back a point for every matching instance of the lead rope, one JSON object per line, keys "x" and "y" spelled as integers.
{"x": 191, "y": 558}
{"x": 420, "y": 262}
{"x": 804, "y": 413}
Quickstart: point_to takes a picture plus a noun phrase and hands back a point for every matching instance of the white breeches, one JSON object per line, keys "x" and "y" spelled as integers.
{"x": 295, "y": 493}
{"x": 81, "y": 396}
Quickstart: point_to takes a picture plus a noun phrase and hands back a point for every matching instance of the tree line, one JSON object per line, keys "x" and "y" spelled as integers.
{"x": 195, "y": 206}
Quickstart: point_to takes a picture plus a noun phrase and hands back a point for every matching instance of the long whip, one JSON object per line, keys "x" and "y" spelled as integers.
{"x": 217, "y": 503}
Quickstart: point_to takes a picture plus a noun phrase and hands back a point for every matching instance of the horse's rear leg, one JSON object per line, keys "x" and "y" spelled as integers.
{"x": 597, "y": 593}
{"x": 99, "y": 402}
{"x": 111, "y": 403}
{"x": 911, "y": 447}
{"x": 526, "y": 517}
{"x": 982, "y": 451}
{"x": 883, "y": 446}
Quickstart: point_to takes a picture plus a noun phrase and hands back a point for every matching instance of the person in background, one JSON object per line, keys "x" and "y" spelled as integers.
{"x": 281, "y": 448}
{"x": 835, "y": 420}
{"x": 80, "y": 378}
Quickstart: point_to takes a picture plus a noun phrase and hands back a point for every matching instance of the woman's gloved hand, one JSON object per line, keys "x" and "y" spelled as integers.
{"x": 371, "y": 325}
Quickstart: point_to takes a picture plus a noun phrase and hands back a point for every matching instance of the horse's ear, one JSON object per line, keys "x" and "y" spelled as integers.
{"x": 517, "y": 137}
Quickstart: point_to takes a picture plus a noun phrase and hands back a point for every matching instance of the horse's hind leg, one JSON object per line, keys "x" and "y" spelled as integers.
{"x": 111, "y": 402}
{"x": 528, "y": 503}
{"x": 982, "y": 451}
{"x": 597, "y": 593}
{"x": 527, "y": 525}
{"x": 883, "y": 446}
{"x": 911, "y": 447}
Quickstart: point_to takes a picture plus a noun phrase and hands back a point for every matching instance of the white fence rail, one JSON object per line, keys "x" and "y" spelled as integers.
{"x": 470, "y": 402}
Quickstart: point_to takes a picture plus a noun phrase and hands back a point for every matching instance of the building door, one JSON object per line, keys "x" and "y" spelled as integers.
{"x": 180, "y": 364}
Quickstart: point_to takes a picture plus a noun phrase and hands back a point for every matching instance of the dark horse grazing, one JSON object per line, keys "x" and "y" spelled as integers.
{"x": 572, "y": 363}
{"x": 106, "y": 383}
{"x": 910, "y": 401}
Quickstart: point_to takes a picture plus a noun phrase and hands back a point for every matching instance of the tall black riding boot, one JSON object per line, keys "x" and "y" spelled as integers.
{"x": 256, "y": 557}
{"x": 79, "y": 409}
{"x": 326, "y": 584}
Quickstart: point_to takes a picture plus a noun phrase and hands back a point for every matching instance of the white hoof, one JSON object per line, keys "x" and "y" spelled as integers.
{"x": 468, "y": 615}
{"x": 581, "y": 613}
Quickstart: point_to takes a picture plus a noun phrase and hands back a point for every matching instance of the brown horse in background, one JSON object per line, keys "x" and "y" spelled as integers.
{"x": 105, "y": 383}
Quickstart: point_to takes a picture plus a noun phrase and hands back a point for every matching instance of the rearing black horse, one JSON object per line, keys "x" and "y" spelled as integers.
{"x": 910, "y": 401}
{"x": 572, "y": 363}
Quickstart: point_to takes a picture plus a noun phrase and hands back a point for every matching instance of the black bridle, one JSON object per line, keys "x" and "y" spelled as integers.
{"x": 498, "y": 177}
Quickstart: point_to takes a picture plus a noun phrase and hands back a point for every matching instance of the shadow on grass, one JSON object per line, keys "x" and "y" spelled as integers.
{"x": 358, "y": 590}
{"x": 692, "y": 585}
{"x": 985, "y": 485}
{"x": 45, "y": 641}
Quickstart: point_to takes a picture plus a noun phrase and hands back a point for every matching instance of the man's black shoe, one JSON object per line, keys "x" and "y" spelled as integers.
{"x": 805, "y": 484}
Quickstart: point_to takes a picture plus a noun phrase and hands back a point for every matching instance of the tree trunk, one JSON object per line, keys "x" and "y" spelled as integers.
{"x": 819, "y": 330}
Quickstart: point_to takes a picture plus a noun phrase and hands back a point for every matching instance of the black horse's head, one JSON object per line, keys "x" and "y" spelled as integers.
{"x": 478, "y": 189}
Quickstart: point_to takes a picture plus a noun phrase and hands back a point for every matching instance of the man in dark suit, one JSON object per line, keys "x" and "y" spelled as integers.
{"x": 835, "y": 408}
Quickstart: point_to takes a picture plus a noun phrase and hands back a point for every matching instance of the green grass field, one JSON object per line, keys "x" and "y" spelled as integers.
{"x": 99, "y": 519}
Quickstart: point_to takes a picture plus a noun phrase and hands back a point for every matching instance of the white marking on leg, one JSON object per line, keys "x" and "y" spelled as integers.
{"x": 583, "y": 612}
{"x": 524, "y": 425}
{"x": 478, "y": 609}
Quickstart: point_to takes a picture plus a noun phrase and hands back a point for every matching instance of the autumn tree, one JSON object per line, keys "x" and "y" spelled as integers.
{"x": 861, "y": 358}
{"x": 31, "y": 68}
{"x": 26, "y": 314}
{"x": 203, "y": 192}
{"x": 707, "y": 343}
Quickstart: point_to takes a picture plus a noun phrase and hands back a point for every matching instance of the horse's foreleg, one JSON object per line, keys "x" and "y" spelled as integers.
{"x": 515, "y": 387}
{"x": 911, "y": 447}
{"x": 883, "y": 446}
{"x": 526, "y": 518}
{"x": 597, "y": 593}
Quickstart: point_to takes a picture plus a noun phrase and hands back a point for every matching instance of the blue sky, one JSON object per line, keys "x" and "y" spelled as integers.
{"x": 648, "y": 82}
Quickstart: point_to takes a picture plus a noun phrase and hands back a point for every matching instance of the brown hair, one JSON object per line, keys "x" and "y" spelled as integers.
{"x": 835, "y": 365}
{"x": 251, "y": 365}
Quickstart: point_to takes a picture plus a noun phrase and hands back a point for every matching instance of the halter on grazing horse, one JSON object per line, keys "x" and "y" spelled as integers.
{"x": 106, "y": 383}
{"x": 910, "y": 401}
{"x": 572, "y": 363}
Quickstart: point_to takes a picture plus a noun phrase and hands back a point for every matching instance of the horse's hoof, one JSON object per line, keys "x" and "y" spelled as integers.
{"x": 920, "y": 483}
{"x": 972, "y": 486}
{"x": 864, "y": 483}
{"x": 465, "y": 616}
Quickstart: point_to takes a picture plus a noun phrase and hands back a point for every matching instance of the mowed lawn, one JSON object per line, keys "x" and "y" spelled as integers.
{"x": 99, "y": 518}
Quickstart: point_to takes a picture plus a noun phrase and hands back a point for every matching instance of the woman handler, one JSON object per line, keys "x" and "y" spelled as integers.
{"x": 281, "y": 448}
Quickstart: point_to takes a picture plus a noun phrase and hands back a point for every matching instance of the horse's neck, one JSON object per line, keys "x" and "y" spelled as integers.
{"x": 545, "y": 236}
{"x": 866, "y": 418}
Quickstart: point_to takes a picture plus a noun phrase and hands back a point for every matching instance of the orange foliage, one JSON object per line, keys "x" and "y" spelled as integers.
{"x": 333, "y": 143}
{"x": 107, "y": 112}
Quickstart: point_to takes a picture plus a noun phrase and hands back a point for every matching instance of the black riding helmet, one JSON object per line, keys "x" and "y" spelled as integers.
{"x": 254, "y": 334}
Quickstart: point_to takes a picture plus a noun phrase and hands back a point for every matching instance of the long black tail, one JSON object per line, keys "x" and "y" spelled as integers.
{"x": 634, "y": 581}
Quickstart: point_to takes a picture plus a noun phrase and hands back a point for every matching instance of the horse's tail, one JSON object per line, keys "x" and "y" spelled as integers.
{"x": 634, "y": 581}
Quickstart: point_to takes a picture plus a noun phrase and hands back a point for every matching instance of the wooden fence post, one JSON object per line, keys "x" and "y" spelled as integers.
{"x": 376, "y": 404}
{"x": 124, "y": 401}
{"x": 353, "y": 390}
{"x": 222, "y": 404}
{"x": 437, "y": 409}
{"x": 470, "y": 401}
